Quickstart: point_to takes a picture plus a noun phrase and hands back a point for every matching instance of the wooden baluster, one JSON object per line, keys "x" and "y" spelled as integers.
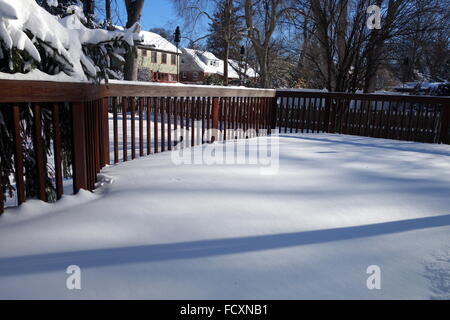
{"x": 445, "y": 124}
{"x": 215, "y": 118}
{"x": 124, "y": 128}
{"x": 208, "y": 118}
{"x": 221, "y": 101}
{"x": 38, "y": 144}
{"x": 169, "y": 123}
{"x": 410, "y": 121}
{"x": 188, "y": 114}
{"x": 149, "y": 125}
{"x": 193, "y": 115}
{"x": 388, "y": 121}
{"x": 116, "y": 131}
{"x": 175, "y": 117}
{"x": 182, "y": 113}
{"x": 381, "y": 118}
{"x": 88, "y": 142}
{"x": 96, "y": 135}
{"x": 133, "y": 128}
{"x": 163, "y": 124}
{"x": 2, "y": 200}
{"x": 106, "y": 141}
{"x": 225, "y": 117}
{"x": 155, "y": 124}
{"x": 18, "y": 157}
{"x": 141, "y": 126}
{"x": 435, "y": 124}
{"x": 245, "y": 116}
{"x": 203, "y": 119}
{"x": 57, "y": 151}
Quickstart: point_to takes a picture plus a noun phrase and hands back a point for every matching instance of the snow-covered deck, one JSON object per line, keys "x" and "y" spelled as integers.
{"x": 338, "y": 205}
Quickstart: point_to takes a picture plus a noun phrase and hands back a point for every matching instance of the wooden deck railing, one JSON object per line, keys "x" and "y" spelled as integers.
{"x": 145, "y": 118}
{"x": 141, "y": 106}
{"x": 399, "y": 117}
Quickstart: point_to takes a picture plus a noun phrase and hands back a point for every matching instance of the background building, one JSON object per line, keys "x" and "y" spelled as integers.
{"x": 198, "y": 67}
{"x": 157, "y": 59}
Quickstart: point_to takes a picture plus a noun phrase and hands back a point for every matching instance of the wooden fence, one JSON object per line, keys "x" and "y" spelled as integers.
{"x": 399, "y": 117}
{"x": 149, "y": 115}
{"x": 170, "y": 107}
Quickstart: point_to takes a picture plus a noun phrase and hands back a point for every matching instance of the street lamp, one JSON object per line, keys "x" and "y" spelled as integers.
{"x": 241, "y": 67}
{"x": 177, "y": 38}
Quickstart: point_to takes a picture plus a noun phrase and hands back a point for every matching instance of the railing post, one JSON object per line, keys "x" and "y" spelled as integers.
{"x": 273, "y": 114}
{"x": 38, "y": 143}
{"x": 445, "y": 124}
{"x": 215, "y": 119}
{"x": 79, "y": 147}
{"x": 57, "y": 151}
{"x": 18, "y": 156}
{"x": 2, "y": 206}
{"x": 106, "y": 156}
{"x": 327, "y": 116}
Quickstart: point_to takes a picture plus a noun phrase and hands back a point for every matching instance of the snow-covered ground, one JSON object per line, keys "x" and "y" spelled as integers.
{"x": 337, "y": 205}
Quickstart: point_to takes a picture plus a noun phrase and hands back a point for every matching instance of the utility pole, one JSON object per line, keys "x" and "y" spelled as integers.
{"x": 177, "y": 38}
{"x": 241, "y": 65}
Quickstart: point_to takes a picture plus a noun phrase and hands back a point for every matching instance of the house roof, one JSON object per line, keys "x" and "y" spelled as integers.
{"x": 207, "y": 62}
{"x": 250, "y": 72}
{"x": 155, "y": 40}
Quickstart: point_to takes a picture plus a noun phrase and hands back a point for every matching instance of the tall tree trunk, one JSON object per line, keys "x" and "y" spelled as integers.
{"x": 108, "y": 13}
{"x": 225, "y": 63}
{"x": 261, "y": 39}
{"x": 325, "y": 61}
{"x": 89, "y": 7}
{"x": 376, "y": 45}
{"x": 134, "y": 11}
{"x": 228, "y": 36}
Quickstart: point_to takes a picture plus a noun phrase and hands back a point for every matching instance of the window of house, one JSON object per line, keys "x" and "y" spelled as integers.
{"x": 144, "y": 52}
{"x": 154, "y": 57}
{"x": 184, "y": 75}
{"x": 174, "y": 59}
{"x": 195, "y": 76}
{"x": 164, "y": 58}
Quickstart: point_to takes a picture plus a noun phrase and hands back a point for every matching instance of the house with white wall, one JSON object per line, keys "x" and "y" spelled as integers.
{"x": 158, "y": 59}
{"x": 197, "y": 65}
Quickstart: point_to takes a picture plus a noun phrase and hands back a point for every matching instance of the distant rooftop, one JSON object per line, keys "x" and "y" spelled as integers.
{"x": 209, "y": 63}
{"x": 155, "y": 40}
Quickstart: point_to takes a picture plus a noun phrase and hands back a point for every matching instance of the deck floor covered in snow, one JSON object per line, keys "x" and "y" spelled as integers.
{"x": 338, "y": 205}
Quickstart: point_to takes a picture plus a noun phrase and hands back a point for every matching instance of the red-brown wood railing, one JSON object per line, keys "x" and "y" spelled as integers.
{"x": 399, "y": 117}
{"x": 151, "y": 114}
{"x": 170, "y": 107}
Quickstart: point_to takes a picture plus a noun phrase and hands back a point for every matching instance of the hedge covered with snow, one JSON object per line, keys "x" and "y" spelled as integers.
{"x": 32, "y": 38}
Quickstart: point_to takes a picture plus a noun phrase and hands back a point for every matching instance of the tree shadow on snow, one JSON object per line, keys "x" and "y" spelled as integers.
{"x": 438, "y": 274}
{"x": 206, "y": 248}
{"x": 383, "y": 144}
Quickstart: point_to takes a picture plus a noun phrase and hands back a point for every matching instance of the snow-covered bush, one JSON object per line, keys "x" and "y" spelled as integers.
{"x": 32, "y": 38}
{"x": 56, "y": 46}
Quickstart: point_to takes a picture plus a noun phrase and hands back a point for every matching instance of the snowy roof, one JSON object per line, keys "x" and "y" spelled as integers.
{"x": 207, "y": 62}
{"x": 250, "y": 72}
{"x": 158, "y": 42}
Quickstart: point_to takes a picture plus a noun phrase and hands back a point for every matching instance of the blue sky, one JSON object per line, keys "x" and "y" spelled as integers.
{"x": 156, "y": 13}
